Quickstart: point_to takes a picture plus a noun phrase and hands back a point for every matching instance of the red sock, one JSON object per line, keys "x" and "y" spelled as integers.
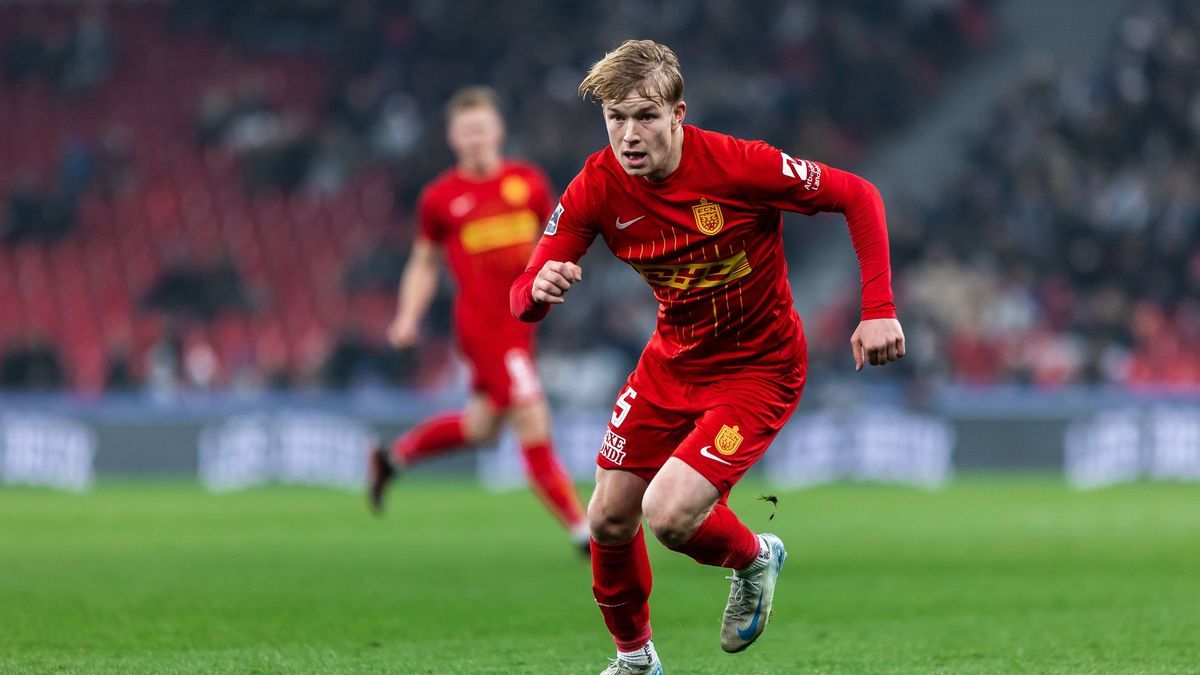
{"x": 430, "y": 438}
{"x": 549, "y": 481}
{"x": 621, "y": 582}
{"x": 722, "y": 541}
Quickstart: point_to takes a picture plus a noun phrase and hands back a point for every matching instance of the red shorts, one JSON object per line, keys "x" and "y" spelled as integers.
{"x": 719, "y": 428}
{"x": 502, "y": 368}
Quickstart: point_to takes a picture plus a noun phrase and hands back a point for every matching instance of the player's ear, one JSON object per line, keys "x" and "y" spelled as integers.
{"x": 678, "y": 112}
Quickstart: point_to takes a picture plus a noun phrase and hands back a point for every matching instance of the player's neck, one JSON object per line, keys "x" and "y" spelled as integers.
{"x": 482, "y": 169}
{"x": 674, "y": 158}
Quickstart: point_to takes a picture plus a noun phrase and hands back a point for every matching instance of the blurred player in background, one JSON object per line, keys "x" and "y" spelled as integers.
{"x": 482, "y": 216}
{"x": 697, "y": 214}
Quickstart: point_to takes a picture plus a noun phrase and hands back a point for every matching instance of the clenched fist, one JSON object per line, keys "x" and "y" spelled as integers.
{"x": 554, "y": 280}
{"x": 878, "y": 342}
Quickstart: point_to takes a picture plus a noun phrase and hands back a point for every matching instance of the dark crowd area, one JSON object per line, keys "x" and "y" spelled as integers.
{"x": 1064, "y": 253}
{"x": 1068, "y": 250}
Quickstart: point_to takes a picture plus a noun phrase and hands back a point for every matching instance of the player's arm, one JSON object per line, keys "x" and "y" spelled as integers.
{"x": 417, "y": 288}
{"x": 554, "y": 265}
{"x": 879, "y": 338}
{"x": 810, "y": 187}
{"x": 556, "y": 273}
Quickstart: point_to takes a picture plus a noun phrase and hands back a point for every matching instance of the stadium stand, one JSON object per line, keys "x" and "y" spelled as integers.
{"x": 1085, "y": 183}
{"x": 187, "y": 205}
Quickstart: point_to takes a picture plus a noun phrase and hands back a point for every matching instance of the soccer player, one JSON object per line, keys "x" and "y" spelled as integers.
{"x": 697, "y": 214}
{"x": 482, "y": 216}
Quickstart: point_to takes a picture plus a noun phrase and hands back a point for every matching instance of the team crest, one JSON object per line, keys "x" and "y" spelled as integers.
{"x": 515, "y": 190}
{"x": 709, "y": 218}
{"x": 728, "y": 440}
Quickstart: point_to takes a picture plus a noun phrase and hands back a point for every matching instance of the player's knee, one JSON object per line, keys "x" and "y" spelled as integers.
{"x": 670, "y": 522}
{"x": 609, "y": 527}
{"x": 531, "y": 421}
{"x": 481, "y": 429}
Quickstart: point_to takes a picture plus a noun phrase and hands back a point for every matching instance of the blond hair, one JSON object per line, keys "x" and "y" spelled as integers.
{"x": 637, "y": 68}
{"x": 467, "y": 98}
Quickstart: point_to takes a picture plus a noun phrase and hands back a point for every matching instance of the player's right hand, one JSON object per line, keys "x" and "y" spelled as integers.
{"x": 554, "y": 280}
{"x": 401, "y": 333}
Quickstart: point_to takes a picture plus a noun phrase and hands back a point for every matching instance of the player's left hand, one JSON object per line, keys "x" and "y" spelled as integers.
{"x": 878, "y": 342}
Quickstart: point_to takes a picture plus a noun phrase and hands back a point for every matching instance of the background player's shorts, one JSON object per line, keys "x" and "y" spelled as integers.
{"x": 502, "y": 369}
{"x": 719, "y": 428}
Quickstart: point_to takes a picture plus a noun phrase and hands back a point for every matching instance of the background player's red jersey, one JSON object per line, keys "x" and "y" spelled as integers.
{"x": 487, "y": 229}
{"x": 708, "y": 241}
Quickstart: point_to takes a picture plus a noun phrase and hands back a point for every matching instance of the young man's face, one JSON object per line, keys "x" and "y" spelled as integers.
{"x": 476, "y": 135}
{"x": 641, "y": 133}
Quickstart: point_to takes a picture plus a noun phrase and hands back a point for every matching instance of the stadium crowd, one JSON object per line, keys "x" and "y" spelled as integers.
{"x": 301, "y": 104}
{"x": 1064, "y": 253}
{"x": 1068, "y": 250}
{"x": 821, "y": 75}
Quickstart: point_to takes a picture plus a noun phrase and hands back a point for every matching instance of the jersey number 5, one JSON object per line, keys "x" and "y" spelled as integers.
{"x": 623, "y": 405}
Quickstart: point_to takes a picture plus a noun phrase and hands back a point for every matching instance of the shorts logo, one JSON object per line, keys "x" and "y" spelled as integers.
{"x": 614, "y": 447}
{"x": 705, "y": 453}
{"x": 709, "y": 218}
{"x": 552, "y": 226}
{"x": 728, "y": 440}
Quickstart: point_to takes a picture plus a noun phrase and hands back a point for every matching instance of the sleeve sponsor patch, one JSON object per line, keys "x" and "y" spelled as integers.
{"x": 806, "y": 171}
{"x": 552, "y": 225}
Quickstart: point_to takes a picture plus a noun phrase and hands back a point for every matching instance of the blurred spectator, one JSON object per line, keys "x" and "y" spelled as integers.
{"x": 76, "y": 60}
{"x": 34, "y": 212}
{"x": 25, "y": 56}
{"x": 1069, "y": 250}
{"x": 32, "y": 365}
{"x": 115, "y": 170}
{"x": 89, "y": 54}
{"x": 201, "y": 292}
{"x": 354, "y": 361}
{"x": 118, "y": 371}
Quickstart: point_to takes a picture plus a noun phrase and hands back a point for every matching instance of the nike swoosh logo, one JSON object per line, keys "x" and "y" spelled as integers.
{"x": 748, "y": 632}
{"x": 621, "y": 226}
{"x": 704, "y": 451}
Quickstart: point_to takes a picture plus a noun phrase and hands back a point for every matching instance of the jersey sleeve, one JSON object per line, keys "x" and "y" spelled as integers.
{"x": 430, "y": 224}
{"x": 776, "y": 179}
{"x": 569, "y": 232}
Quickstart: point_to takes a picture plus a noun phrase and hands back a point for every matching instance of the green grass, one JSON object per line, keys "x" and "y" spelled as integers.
{"x": 1010, "y": 575}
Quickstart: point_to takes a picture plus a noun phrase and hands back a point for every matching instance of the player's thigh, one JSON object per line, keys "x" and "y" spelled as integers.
{"x": 503, "y": 370}
{"x": 615, "y": 510}
{"x": 678, "y": 499}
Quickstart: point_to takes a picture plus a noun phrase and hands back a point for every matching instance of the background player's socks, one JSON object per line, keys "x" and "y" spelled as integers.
{"x": 581, "y": 539}
{"x": 621, "y": 582}
{"x": 639, "y": 657}
{"x": 722, "y": 541}
{"x": 430, "y": 438}
{"x": 548, "y": 479}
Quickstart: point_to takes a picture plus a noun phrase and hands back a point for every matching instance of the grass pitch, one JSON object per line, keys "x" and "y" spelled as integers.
{"x": 993, "y": 575}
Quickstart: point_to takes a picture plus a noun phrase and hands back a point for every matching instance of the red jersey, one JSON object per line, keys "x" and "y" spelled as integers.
{"x": 487, "y": 229}
{"x": 708, "y": 241}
